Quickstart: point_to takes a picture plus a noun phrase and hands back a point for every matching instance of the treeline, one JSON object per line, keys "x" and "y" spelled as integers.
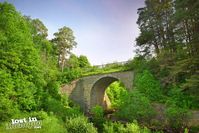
{"x": 31, "y": 67}
{"x": 170, "y": 39}
{"x": 166, "y": 68}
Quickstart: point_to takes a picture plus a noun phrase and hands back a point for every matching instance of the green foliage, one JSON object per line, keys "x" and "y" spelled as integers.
{"x": 135, "y": 128}
{"x": 73, "y": 112}
{"x": 97, "y": 111}
{"x": 60, "y": 109}
{"x": 20, "y": 60}
{"x": 75, "y": 66}
{"x": 55, "y": 106}
{"x": 116, "y": 93}
{"x": 64, "y": 41}
{"x": 186, "y": 130}
{"x": 79, "y": 125}
{"x": 7, "y": 107}
{"x": 136, "y": 107}
{"x": 179, "y": 98}
{"x": 98, "y": 117}
{"x": 139, "y": 64}
{"x": 83, "y": 62}
{"x": 178, "y": 103}
{"x": 73, "y": 61}
{"x": 116, "y": 127}
{"x": 52, "y": 89}
{"x": 52, "y": 124}
{"x": 148, "y": 85}
{"x": 49, "y": 123}
{"x": 29, "y": 74}
{"x": 171, "y": 35}
{"x": 78, "y": 62}
{"x": 69, "y": 74}
{"x": 39, "y": 28}
{"x": 177, "y": 117}
{"x": 108, "y": 68}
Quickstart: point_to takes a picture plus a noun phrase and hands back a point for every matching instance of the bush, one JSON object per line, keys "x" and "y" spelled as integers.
{"x": 113, "y": 127}
{"x": 116, "y": 127}
{"x": 136, "y": 107}
{"x": 69, "y": 75}
{"x": 116, "y": 93}
{"x": 72, "y": 112}
{"x": 135, "y": 128}
{"x": 52, "y": 125}
{"x": 55, "y": 106}
{"x": 52, "y": 89}
{"x": 181, "y": 99}
{"x": 177, "y": 117}
{"x": 79, "y": 125}
{"x": 148, "y": 85}
{"x": 98, "y": 117}
{"x": 138, "y": 64}
{"x": 60, "y": 109}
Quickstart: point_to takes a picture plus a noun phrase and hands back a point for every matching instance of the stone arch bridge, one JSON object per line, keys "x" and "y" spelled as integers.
{"x": 89, "y": 91}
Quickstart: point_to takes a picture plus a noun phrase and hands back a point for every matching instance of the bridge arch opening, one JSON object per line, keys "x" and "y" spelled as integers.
{"x": 98, "y": 96}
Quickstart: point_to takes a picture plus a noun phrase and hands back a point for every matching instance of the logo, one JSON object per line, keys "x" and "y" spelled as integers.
{"x": 30, "y": 122}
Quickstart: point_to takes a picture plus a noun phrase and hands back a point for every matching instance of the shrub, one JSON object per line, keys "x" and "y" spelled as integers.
{"x": 79, "y": 125}
{"x": 55, "y": 106}
{"x": 135, "y": 128}
{"x": 177, "y": 117}
{"x": 136, "y": 107}
{"x": 69, "y": 74}
{"x": 116, "y": 93}
{"x": 148, "y": 85}
{"x": 60, "y": 110}
{"x": 98, "y": 117}
{"x": 181, "y": 99}
{"x": 52, "y": 125}
{"x": 138, "y": 64}
{"x": 72, "y": 112}
{"x": 113, "y": 127}
{"x": 116, "y": 127}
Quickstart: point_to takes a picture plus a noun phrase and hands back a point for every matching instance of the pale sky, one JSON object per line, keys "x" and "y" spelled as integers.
{"x": 105, "y": 30}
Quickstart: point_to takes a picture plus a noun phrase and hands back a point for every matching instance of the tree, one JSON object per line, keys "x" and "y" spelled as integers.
{"x": 156, "y": 26}
{"x": 20, "y": 65}
{"x": 83, "y": 62}
{"x": 73, "y": 61}
{"x": 170, "y": 30}
{"x": 65, "y": 42}
{"x": 39, "y": 28}
{"x": 186, "y": 69}
{"x": 72, "y": 70}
